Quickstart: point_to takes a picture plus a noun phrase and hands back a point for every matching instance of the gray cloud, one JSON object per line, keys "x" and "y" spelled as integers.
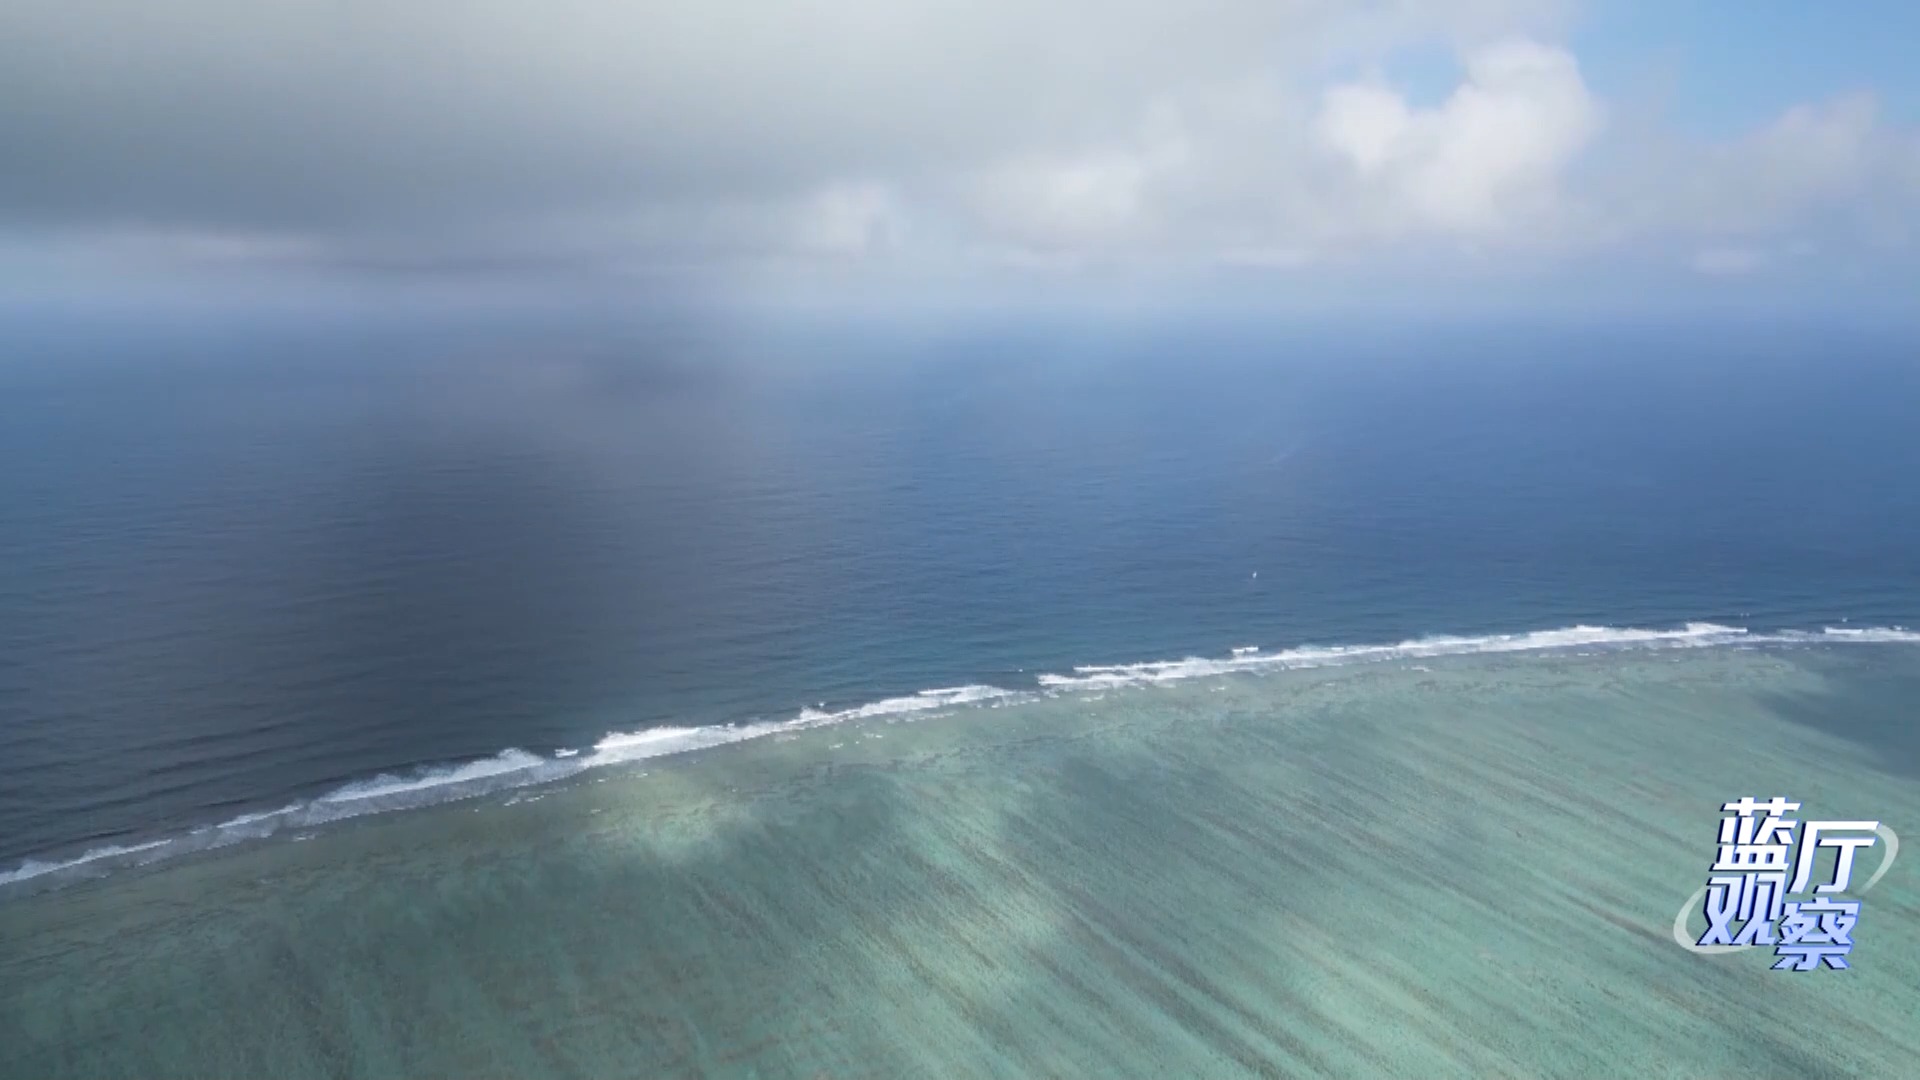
{"x": 330, "y": 114}
{"x": 490, "y": 138}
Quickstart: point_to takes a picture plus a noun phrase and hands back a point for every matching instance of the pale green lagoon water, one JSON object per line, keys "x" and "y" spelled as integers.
{"x": 1466, "y": 868}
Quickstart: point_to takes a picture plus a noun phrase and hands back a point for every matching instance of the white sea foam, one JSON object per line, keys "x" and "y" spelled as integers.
{"x": 620, "y": 747}
{"x": 244, "y": 820}
{"x": 34, "y": 868}
{"x": 925, "y": 699}
{"x": 1164, "y": 671}
{"x": 1872, "y": 633}
{"x": 386, "y": 786}
{"x": 515, "y": 768}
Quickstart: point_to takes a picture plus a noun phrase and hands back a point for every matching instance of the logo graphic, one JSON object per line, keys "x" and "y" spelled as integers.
{"x": 1750, "y": 893}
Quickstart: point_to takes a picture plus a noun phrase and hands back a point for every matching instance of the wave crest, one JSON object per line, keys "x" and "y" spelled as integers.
{"x": 515, "y": 768}
{"x": 1310, "y": 656}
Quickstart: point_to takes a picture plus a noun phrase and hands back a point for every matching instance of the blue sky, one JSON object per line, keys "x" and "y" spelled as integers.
{"x": 1292, "y": 154}
{"x": 1723, "y": 67}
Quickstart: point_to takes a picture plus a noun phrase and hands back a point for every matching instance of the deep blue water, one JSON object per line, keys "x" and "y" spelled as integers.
{"x": 234, "y": 573}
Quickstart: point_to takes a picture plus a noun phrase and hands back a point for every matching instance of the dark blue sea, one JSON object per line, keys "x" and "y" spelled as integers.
{"x": 882, "y": 700}
{"x": 241, "y": 571}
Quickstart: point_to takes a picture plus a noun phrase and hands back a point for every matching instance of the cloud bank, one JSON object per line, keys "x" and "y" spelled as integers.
{"x": 901, "y": 136}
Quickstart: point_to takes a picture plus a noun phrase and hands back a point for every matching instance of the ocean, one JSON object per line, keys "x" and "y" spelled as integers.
{"x": 1024, "y": 701}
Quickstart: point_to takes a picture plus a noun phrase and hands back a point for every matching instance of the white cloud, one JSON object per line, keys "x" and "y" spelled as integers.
{"x": 1728, "y": 262}
{"x": 1228, "y": 168}
{"x": 1093, "y": 200}
{"x": 1367, "y": 123}
{"x": 1829, "y": 171}
{"x": 930, "y": 134}
{"x": 1491, "y": 157}
{"x": 1811, "y": 155}
{"x": 850, "y": 219}
{"x": 1063, "y": 202}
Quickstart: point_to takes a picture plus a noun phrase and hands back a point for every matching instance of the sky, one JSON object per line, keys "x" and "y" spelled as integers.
{"x": 1447, "y": 154}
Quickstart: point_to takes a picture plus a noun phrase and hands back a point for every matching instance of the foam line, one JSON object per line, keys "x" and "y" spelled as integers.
{"x": 517, "y": 768}
{"x": 1247, "y": 659}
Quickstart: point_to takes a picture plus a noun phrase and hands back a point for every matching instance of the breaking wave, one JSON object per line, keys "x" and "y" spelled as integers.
{"x": 515, "y": 768}
{"x": 1249, "y": 658}
{"x": 920, "y": 702}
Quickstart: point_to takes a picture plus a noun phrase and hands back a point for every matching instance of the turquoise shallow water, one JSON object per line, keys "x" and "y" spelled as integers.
{"x": 1458, "y": 867}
